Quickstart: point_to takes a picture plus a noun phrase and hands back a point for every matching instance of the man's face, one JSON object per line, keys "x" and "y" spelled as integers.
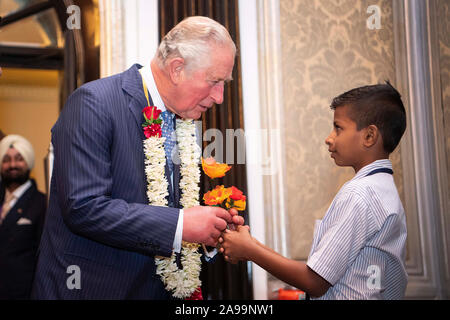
{"x": 345, "y": 142}
{"x": 201, "y": 89}
{"x": 14, "y": 169}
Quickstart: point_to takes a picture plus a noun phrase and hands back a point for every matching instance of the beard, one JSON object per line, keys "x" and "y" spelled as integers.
{"x": 11, "y": 176}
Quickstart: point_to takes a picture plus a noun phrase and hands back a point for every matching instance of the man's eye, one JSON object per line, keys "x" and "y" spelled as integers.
{"x": 215, "y": 82}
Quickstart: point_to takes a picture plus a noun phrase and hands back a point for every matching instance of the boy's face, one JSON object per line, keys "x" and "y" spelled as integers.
{"x": 345, "y": 142}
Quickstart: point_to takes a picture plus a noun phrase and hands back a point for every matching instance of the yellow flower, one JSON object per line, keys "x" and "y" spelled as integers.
{"x": 213, "y": 169}
{"x": 239, "y": 205}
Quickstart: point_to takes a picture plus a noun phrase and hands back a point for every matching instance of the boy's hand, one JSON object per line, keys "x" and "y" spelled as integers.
{"x": 235, "y": 244}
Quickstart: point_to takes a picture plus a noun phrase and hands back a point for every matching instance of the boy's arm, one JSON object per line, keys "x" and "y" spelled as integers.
{"x": 241, "y": 246}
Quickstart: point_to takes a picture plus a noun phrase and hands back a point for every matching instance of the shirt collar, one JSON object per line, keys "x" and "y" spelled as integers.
{"x": 21, "y": 190}
{"x": 151, "y": 85}
{"x": 384, "y": 163}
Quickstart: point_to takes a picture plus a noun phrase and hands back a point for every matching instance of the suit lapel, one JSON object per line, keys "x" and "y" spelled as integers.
{"x": 17, "y": 211}
{"x": 132, "y": 84}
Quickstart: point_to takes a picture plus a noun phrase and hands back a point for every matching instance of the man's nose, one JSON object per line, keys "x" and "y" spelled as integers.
{"x": 12, "y": 164}
{"x": 217, "y": 93}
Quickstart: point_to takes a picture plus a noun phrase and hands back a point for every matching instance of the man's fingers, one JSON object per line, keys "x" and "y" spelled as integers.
{"x": 215, "y": 234}
{"x": 223, "y": 214}
{"x": 238, "y": 220}
{"x": 220, "y": 224}
{"x": 211, "y": 242}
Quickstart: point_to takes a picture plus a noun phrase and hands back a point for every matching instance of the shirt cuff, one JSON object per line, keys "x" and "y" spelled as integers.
{"x": 179, "y": 233}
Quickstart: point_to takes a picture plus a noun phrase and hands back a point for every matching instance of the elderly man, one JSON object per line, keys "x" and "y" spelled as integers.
{"x": 21, "y": 218}
{"x": 102, "y": 239}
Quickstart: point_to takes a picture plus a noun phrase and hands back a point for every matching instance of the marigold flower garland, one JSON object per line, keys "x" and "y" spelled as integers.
{"x": 181, "y": 282}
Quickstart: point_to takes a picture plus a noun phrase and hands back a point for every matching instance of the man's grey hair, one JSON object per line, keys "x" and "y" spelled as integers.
{"x": 192, "y": 39}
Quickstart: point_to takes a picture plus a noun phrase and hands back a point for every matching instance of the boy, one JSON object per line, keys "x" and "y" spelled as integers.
{"x": 358, "y": 250}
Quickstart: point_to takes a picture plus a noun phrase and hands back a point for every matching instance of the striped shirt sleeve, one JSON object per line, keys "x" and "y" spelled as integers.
{"x": 342, "y": 241}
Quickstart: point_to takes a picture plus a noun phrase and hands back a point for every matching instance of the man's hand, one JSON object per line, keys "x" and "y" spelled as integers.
{"x": 205, "y": 224}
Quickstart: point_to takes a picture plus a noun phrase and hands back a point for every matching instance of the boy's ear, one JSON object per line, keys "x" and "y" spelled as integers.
{"x": 371, "y": 136}
{"x": 175, "y": 69}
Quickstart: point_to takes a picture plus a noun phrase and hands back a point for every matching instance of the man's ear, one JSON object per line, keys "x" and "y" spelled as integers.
{"x": 371, "y": 136}
{"x": 175, "y": 68}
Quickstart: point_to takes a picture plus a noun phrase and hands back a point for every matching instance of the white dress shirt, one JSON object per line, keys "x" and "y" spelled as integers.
{"x": 19, "y": 192}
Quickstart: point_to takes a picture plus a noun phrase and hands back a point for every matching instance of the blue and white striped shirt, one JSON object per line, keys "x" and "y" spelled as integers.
{"x": 359, "y": 246}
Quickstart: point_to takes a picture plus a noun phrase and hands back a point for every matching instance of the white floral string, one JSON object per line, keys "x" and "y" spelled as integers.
{"x": 181, "y": 282}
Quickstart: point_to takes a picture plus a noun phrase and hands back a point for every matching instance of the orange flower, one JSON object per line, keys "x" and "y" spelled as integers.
{"x": 237, "y": 200}
{"x": 217, "y": 196}
{"x": 213, "y": 169}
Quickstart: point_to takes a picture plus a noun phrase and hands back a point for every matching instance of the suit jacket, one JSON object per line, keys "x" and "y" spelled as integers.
{"x": 99, "y": 219}
{"x": 20, "y": 233}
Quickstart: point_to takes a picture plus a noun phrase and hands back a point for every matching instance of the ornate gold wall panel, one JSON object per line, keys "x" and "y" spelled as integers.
{"x": 327, "y": 49}
{"x": 443, "y": 11}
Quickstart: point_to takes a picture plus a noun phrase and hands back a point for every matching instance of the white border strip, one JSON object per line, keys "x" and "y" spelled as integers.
{"x": 248, "y": 32}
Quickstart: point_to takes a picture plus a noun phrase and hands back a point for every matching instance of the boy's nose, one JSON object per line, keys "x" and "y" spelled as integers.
{"x": 328, "y": 140}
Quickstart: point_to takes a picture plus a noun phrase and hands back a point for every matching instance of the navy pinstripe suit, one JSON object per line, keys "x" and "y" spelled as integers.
{"x": 98, "y": 219}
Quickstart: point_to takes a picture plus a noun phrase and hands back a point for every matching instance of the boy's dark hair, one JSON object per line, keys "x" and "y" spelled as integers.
{"x": 380, "y": 105}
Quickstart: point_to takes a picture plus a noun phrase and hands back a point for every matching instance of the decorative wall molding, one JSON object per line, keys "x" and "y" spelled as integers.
{"x": 272, "y": 119}
{"x": 249, "y": 55}
{"x": 128, "y": 33}
{"x": 112, "y": 37}
{"x": 264, "y": 116}
{"x": 426, "y": 190}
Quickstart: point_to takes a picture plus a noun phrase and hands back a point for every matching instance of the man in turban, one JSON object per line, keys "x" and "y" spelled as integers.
{"x": 22, "y": 211}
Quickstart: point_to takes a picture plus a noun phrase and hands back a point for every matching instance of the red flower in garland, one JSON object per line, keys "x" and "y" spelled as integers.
{"x": 154, "y": 130}
{"x": 197, "y": 295}
{"x": 152, "y": 124}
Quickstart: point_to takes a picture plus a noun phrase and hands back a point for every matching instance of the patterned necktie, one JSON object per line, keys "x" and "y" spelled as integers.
{"x": 168, "y": 132}
{"x": 9, "y": 196}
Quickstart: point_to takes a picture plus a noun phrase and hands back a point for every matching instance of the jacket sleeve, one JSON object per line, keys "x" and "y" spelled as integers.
{"x": 82, "y": 139}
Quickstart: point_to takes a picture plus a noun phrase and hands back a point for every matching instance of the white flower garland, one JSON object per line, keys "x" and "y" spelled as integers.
{"x": 182, "y": 282}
